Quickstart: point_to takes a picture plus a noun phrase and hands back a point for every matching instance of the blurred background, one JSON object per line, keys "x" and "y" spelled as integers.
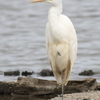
{"x": 22, "y": 37}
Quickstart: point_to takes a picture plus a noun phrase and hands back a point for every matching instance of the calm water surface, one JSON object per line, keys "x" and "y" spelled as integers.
{"x": 22, "y": 36}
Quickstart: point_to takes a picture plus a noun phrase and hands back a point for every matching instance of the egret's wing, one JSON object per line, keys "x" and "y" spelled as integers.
{"x": 72, "y": 38}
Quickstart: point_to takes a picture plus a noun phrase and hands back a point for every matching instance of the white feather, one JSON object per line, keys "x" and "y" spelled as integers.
{"x": 61, "y": 37}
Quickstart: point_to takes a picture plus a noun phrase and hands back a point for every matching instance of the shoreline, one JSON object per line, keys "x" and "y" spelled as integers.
{"x": 47, "y": 89}
{"x": 91, "y": 95}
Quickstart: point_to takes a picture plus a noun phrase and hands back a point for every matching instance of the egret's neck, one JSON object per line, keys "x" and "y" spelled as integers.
{"x": 55, "y": 11}
{"x": 53, "y": 19}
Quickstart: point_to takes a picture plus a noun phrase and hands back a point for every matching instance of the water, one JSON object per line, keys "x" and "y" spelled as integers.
{"x": 20, "y": 97}
{"x": 22, "y": 36}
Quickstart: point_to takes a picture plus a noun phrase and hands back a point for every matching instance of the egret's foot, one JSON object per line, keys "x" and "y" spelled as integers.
{"x": 61, "y": 95}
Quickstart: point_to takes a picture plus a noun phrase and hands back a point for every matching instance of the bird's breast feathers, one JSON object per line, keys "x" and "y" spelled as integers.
{"x": 61, "y": 30}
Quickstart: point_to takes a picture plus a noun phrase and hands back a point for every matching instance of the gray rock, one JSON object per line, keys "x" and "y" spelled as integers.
{"x": 46, "y": 72}
{"x": 26, "y": 73}
{"x": 87, "y": 73}
{"x": 12, "y": 73}
{"x": 34, "y": 86}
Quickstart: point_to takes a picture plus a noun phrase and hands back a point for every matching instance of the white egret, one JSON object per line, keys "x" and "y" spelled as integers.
{"x": 61, "y": 42}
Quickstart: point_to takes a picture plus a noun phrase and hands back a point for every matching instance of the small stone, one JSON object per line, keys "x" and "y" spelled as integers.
{"x": 46, "y": 72}
{"x": 87, "y": 73}
{"x": 86, "y": 99}
{"x": 26, "y": 73}
{"x": 12, "y": 73}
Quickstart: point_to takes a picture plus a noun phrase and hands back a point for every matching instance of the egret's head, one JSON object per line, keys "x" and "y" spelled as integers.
{"x": 53, "y": 2}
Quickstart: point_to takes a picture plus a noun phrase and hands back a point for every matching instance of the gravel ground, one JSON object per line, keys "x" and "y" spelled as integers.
{"x": 93, "y": 95}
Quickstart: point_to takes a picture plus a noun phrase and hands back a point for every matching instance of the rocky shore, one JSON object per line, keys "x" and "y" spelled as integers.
{"x": 92, "y": 95}
{"x": 34, "y": 86}
{"x": 29, "y": 88}
{"x": 50, "y": 89}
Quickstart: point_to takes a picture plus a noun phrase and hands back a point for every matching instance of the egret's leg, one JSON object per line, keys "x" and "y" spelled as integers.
{"x": 62, "y": 85}
{"x": 62, "y": 91}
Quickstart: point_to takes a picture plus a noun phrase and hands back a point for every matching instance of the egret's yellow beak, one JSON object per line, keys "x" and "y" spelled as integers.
{"x": 36, "y": 1}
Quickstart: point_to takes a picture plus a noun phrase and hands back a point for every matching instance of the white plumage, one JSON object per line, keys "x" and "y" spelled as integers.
{"x": 61, "y": 42}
